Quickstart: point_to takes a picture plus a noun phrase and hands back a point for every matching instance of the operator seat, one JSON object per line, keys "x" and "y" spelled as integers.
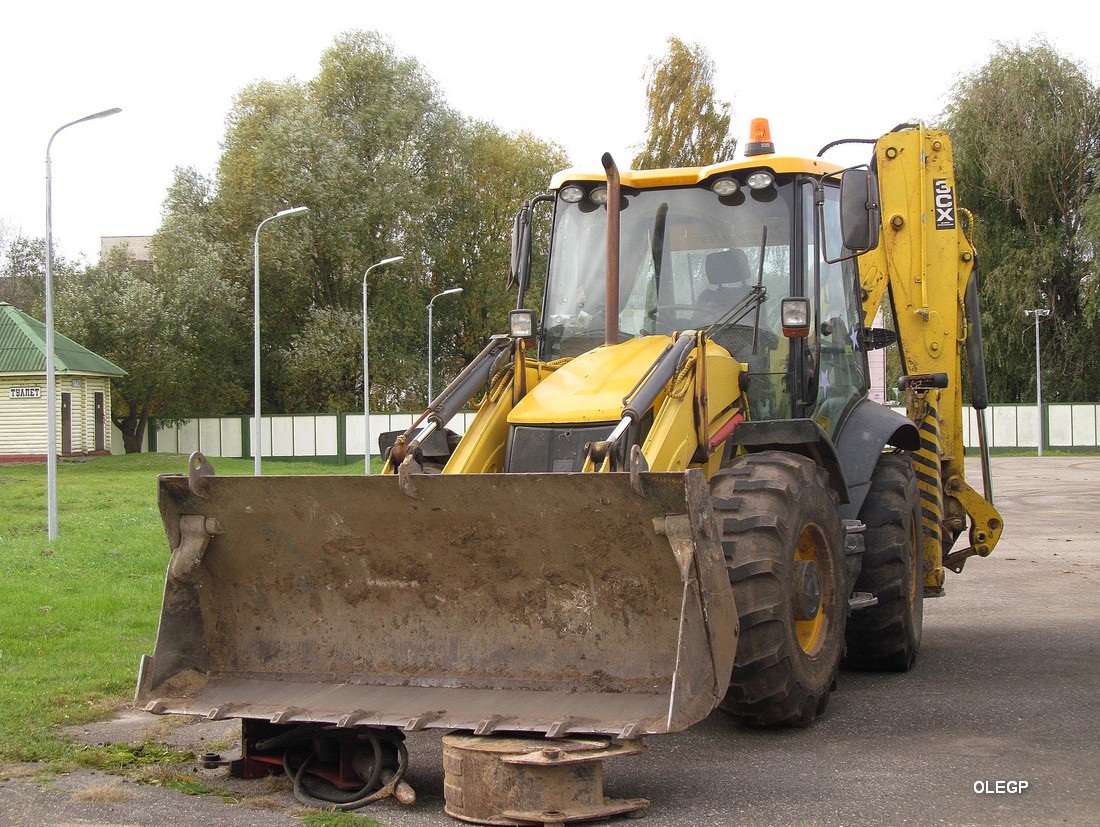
{"x": 731, "y": 279}
{"x": 729, "y": 275}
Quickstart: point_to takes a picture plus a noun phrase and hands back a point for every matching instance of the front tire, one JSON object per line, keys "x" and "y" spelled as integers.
{"x": 886, "y": 637}
{"x": 784, "y": 548}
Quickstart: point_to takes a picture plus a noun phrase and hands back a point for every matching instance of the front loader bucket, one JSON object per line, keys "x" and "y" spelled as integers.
{"x": 548, "y": 603}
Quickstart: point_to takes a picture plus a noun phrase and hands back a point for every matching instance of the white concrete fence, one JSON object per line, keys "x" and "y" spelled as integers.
{"x": 325, "y": 437}
{"x": 1066, "y": 426}
{"x": 339, "y": 437}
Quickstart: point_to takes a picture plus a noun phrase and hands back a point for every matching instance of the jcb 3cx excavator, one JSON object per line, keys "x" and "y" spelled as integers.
{"x": 675, "y": 494}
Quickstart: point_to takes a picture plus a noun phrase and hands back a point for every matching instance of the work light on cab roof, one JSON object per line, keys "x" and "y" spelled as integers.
{"x": 724, "y": 187}
{"x": 760, "y": 180}
{"x": 571, "y": 194}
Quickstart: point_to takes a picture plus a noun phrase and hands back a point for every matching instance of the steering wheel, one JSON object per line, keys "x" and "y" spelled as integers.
{"x": 737, "y": 339}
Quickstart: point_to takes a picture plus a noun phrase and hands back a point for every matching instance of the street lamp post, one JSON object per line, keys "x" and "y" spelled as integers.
{"x": 366, "y": 366}
{"x": 1039, "y": 313}
{"x": 432, "y": 302}
{"x": 51, "y": 377}
{"x": 256, "y": 442}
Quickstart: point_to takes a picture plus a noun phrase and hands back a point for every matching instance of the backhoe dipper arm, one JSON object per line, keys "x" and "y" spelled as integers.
{"x": 926, "y": 264}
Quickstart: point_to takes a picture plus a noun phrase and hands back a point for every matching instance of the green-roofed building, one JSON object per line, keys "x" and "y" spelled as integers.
{"x": 83, "y": 385}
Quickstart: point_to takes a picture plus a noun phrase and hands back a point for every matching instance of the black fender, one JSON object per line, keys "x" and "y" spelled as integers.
{"x": 868, "y": 429}
{"x": 798, "y": 436}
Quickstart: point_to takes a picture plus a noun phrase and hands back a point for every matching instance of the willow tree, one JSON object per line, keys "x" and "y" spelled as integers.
{"x": 359, "y": 145}
{"x": 23, "y": 272}
{"x": 686, "y": 124}
{"x": 172, "y": 323}
{"x": 386, "y": 168}
{"x": 1026, "y": 129}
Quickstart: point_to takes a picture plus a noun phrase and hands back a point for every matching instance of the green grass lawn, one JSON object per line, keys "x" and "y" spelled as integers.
{"x": 77, "y": 614}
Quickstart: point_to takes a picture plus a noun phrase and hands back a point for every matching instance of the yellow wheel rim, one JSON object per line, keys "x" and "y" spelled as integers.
{"x": 813, "y": 547}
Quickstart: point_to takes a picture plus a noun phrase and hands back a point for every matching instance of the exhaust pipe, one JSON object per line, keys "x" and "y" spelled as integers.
{"x": 611, "y": 316}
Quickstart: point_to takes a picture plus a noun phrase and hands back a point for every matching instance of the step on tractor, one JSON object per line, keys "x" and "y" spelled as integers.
{"x": 676, "y": 494}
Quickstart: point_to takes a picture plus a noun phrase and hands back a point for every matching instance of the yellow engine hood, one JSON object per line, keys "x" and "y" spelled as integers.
{"x": 591, "y": 387}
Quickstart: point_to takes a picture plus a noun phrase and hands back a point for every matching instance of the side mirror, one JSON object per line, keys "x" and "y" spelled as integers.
{"x": 521, "y": 248}
{"x": 860, "y": 215}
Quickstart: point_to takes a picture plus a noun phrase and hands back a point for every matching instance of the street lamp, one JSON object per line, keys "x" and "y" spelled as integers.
{"x": 366, "y": 365}
{"x": 256, "y": 443}
{"x": 51, "y": 378}
{"x": 1039, "y": 313}
{"x": 436, "y": 296}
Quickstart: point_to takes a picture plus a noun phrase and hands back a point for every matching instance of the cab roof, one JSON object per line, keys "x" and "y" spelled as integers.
{"x": 689, "y": 176}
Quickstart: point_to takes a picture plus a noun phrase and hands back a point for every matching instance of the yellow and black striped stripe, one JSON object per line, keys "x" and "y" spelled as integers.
{"x": 926, "y": 462}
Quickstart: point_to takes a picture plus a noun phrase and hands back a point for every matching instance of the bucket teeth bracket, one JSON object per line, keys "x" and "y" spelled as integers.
{"x": 420, "y": 722}
{"x": 405, "y": 473}
{"x": 353, "y": 717}
{"x": 196, "y": 532}
{"x": 488, "y": 726}
{"x": 638, "y": 466}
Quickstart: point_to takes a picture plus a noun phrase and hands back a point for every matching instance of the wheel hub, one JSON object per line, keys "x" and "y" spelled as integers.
{"x": 806, "y": 588}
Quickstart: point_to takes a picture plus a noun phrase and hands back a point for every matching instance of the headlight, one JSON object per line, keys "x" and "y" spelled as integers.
{"x": 795, "y": 314}
{"x": 599, "y": 195}
{"x": 521, "y": 324}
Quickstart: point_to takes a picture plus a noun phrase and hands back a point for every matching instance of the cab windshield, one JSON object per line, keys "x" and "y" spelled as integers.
{"x": 689, "y": 259}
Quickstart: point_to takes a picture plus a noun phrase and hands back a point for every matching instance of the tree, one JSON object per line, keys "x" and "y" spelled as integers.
{"x": 23, "y": 273}
{"x": 1026, "y": 129}
{"x": 386, "y": 168}
{"x": 171, "y": 323}
{"x": 686, "y": 124}
{"x": 323, "y": 362}
{"x": 492, "y": 173}
{"x": 359, "y": 146}
{"x": 463, "y": 234}
{"x": 277, "y": 155}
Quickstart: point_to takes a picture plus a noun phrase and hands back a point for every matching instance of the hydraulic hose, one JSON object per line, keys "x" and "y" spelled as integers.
{"x": 975, "y": 368}
{"x": 975, "y": 352}
{"x": 378, "y": 785}
{"x": 460, "y": 391}
{"x": 657, "y": 378}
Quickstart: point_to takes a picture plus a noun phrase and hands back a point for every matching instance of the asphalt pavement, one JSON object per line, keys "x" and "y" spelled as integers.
{"x": 997, "y": 724}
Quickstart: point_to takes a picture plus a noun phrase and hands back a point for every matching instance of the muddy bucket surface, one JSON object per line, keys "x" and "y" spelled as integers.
{"x": 530, "y": 602}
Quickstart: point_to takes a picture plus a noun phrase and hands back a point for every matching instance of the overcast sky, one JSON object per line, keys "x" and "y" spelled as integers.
{"x": 569, "y": 71}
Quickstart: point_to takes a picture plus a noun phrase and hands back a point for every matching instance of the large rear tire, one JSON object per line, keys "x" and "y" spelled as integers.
{"x": 784, "y": 548}
{"x": 886, "y": 637}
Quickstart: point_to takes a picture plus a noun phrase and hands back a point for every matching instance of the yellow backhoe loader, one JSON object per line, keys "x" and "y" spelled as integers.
{"x": 676, "y": 492}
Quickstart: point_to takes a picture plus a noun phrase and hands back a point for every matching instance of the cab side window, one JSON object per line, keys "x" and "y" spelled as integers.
{"x": 841, "y": 373}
